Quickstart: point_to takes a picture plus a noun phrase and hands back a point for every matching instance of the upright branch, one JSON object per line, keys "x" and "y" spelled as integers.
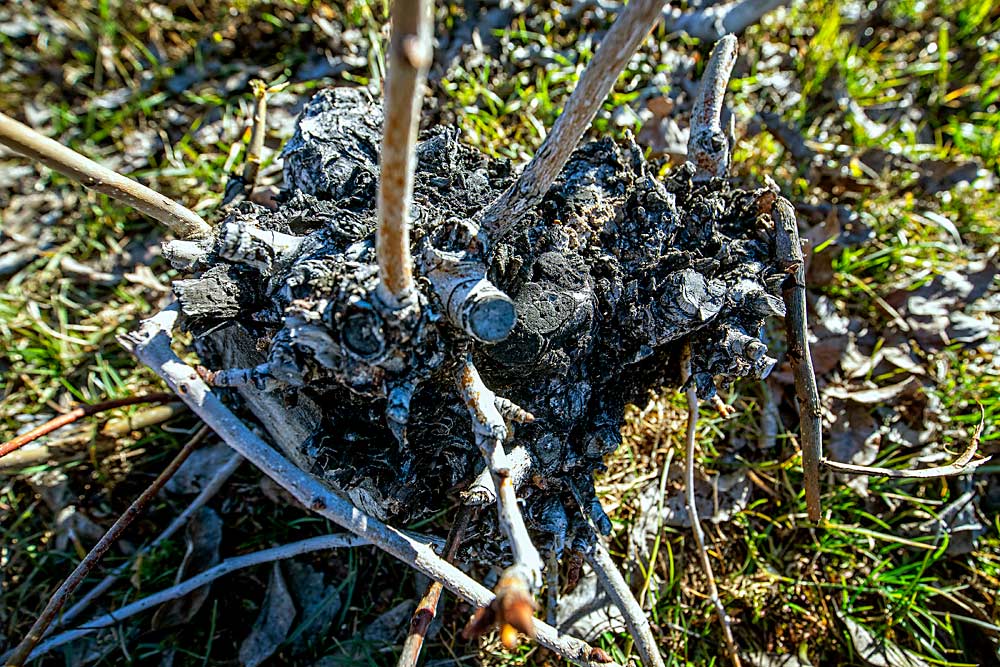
{"x": 426, "y": 610}
{"x": 797, "y": 336}
{"x": 59, "y": 598}
{"x": 692, "y": 507}
{"x": 409, "y": 58}
{"x": 613, "y": 53}
{"x": 151, "y": 344}
{"x": 243, "y": 185}
{"x": 514, "y": 609}
{"x": 22, "y": 139}
{"x": 708, "y": 147}
{"x": 256, "y": 147}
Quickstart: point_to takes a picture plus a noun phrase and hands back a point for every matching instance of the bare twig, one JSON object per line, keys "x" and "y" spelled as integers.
{"x": 59, "y": 598}
{"x": 797, "y": 336}
{"x": 22, "y": 139}
{"x": 426, "y": 610}
{"x": 708, "y": 147}
{"x": 619, "y": 44}
{"x": 960, "y": 466}
{"x": 711, "y": 23}
{"x": 692, "y": 507}
{"x": 242, "y": 185}
{"x": 515, "y": 591}
{"x": 409, "y": 58}
{"x": 76, "y": 414}
{"x": 211, "y": 488}
{"x": 256, "y": 147}
{"x": 151, "y": 344}
{"x": 181, "y": 589}
{"x": 617, "y": 588}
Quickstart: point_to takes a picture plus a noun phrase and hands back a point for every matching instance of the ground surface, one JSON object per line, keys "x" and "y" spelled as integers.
{"x": 883, "y": 130}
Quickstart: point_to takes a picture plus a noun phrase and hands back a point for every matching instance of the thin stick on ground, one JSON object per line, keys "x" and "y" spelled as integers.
{"x": 797, "y": 336}
{"x": 960, "y": 466}
{"x": 613, "y": 53}
{"x": 692, "y": 507}
{"x": 617, "y": 588}
{"x": 409, "y": 58}
{"x": 181, "y": 589}
{"x": 151, "y": 344}
{"x": 714, "y": 21}
{"x": 24, "y": 140}
{"x": 221, "y": 476}
{"x": 79, "y": 413}
{"x": 426, "y": 610}
{"x": 514, "y": 609}
{"x": 60, "y": 597}
{"x": 708, "y": 147}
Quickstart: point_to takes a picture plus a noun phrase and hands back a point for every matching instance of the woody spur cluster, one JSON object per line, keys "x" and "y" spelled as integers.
{"x": 502, "y": 372}
{"x": 416, "y": 325}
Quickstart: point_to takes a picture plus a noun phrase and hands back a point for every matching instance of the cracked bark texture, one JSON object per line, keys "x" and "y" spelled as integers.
{"x": 610, "y": 275}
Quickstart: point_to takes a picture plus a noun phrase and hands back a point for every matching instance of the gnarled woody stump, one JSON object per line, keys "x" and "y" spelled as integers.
{"x": 609, "y": 276}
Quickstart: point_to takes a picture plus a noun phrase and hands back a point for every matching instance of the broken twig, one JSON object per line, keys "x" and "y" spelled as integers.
{"x": 789, "y": 248}
{"x": 151, "y": 345}
{"x": 59, "y": 598}
{"x": 426, "y": 610}
{"x": 409, "y": 58}
{"x": 24, "y": 140}
{"x": 76, "y": 414}
{"x": 692, "y": 507}
{"x": 708, "y": 147}
{"x": 619, "y": 44}
{"x": 960, "y": 466}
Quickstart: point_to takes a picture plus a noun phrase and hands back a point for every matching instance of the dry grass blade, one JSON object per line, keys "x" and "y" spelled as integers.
{"x": 60, "y": 597}
{"x": 179, "y": 219}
